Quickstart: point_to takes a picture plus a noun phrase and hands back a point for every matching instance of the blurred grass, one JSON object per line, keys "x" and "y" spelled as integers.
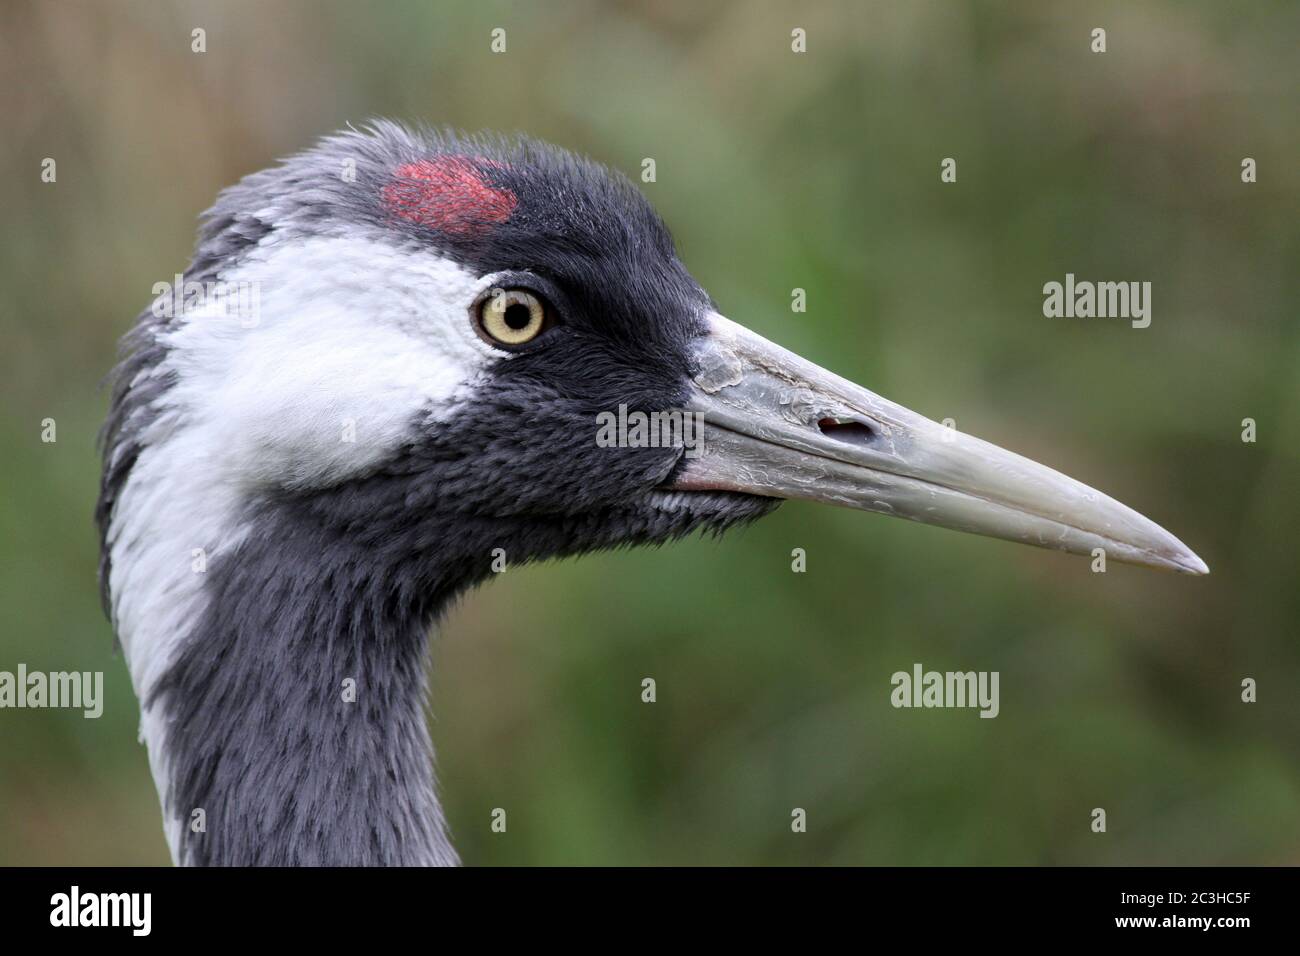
{"x": 774, "y": 170}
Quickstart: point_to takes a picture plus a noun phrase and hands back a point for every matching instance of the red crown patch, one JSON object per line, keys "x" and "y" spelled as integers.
{"x": 448, "y": 193}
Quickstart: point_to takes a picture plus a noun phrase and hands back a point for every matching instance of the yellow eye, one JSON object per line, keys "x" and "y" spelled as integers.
{"x": 512, "y": 316}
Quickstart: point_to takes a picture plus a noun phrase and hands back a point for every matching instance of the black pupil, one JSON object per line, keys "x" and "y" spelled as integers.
{"x": 518, "y": 316}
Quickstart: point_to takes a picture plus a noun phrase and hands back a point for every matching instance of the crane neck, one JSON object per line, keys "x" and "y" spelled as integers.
{"x": 296, "y": 709}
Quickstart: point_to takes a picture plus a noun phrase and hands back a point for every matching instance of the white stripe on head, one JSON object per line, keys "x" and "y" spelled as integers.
{"x": 353, "y": 342}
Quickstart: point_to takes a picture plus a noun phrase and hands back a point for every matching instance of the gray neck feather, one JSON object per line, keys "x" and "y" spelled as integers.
{"x": 296, "y": 712}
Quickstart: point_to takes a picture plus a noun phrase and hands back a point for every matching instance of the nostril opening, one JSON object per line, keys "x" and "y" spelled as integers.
{"x": 848, "y": 431}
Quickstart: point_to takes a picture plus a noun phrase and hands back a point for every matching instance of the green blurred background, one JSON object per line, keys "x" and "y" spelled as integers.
{"x": 775, "y": 170}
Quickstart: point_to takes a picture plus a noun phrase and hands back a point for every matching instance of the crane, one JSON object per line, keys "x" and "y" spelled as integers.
{"x": 391, "y": 362}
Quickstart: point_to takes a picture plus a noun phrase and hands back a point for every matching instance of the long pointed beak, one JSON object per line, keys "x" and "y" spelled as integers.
{"x": 780, "y": 426}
